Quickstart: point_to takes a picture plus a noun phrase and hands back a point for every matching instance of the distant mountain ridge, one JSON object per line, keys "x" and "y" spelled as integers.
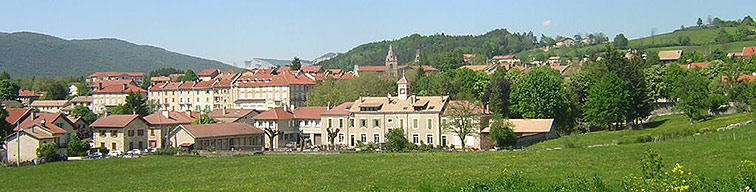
{"x": 265, "y": 63}
{"x": 25, "y": 54}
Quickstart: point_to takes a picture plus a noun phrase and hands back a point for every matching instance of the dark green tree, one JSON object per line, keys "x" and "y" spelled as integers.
{"x": 540, "y": 95}
{"x": 8, "y": 89}
{"x": 135, "y": 105}
{"x": 446, "y": 61}
{"x": 722, "y": 37}
{"x": 5, "y": 76}
{"x": 204, "y": 119}
{"x": 607, "y": 103}
{"x": 296, "y": 64}
{"x": 497, "y": 93}
{"x": 692, "y": 91}
{"x": 48, "y": 152}
{"x": 54, "y": 90}
{"x": 699, "y": 22}
{"x": 84, "y": 113}
{"x": 502, "y": 134}
{"x": 620, "y": 41}
{"x": 189, "y": 75}
{"x": 5, "y": 127}
{"x": 76, "y": 146}
{"x": 396, "y": 142}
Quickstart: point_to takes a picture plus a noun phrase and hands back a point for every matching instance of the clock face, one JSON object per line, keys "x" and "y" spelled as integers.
{"x": 401, "y": 91}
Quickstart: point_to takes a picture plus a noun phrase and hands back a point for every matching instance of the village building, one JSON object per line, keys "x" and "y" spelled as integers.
{"x": 694, "y": 65}
{"x": 220, "y": 136}
{"x": 113, "y": 95}
{"x": 309, "y": 124}
{"x": 670, "y": 56}
{"x": 528, "y": 131}
{"x": 262, "y": 90}
{"x": 392, "y": 68}
{"x": 279, "y": 120}
{"x": 81, "y": 127}
{"x": 162, "y": 122}
{"x": 49, "y": 106}
{"x": 121, "y": 133}
{"x": 17, "y": 115}
{"x": 747, "y": 52}
{"x": 159, "y": 79}
{"x": 208, "y": 74}
{"x": 26, "y": 97}
{"x": 566, "y": 42}
{"x": 505, "y": 59}
{"x": 488, "y": 69}
{"x": 335, "y": 121}
{"x": 84, "y": 101}
{"x": 35, "y": 130}
{"x": 234, "y": 115}
{"x": 137, "y": 77}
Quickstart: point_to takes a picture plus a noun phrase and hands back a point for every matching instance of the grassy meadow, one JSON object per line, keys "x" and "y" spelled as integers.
{"x": 713, "y": 155}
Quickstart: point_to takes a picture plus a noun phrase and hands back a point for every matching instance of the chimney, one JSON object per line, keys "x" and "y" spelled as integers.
{"x": 189, "y": 113}
{"x": 328, "y": 106}
{"x": 125, "y": 86}
{"x": 165, "y": 113}
{"x": 99, "y": 86}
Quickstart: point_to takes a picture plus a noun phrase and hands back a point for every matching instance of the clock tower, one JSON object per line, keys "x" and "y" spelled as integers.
{"x": 403, "y": 86}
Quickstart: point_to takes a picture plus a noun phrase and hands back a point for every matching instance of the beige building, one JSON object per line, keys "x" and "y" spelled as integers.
{"x": 50, "y": 106}
{"x": 670, "y": 56}
{"x": 121, "y": 132}
{"x": 35, "y": 130}
{"x": 528, "y": 131}
{"x": 102, "y": 76}
{"x": 183, "y": 96}
{"x": 336, "y": 121}
{"x": 26, "y": 97}
{"x": 234, "y": 115}
{"x": 279, "y": 120}
{"x": 85, "y": 101}
{"x": 263, "y": 90}
{"x": 162, "y": 122}
{"x": 113, "y": 95}
{"x": 221, "y": 136}
{"x": 309, "y": 123}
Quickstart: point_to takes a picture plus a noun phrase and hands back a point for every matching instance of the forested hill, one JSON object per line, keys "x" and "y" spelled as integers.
{"x": 496, "y": 42}
{"x": 25, "y": 54}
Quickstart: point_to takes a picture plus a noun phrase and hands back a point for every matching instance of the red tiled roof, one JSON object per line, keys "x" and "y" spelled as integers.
{"x": 233, "y": 113}
{"x": 280, "y": 79}
{"x": 273, "y": 114}
{"x": 336, "y": 71}
{"x": 114, "y": 121}
{"x": 309, "y": 112}
{"x": 474, "y": 67}
{"x": 747, "y": 78}
{"x": 342, "y": 109}
{"x": 208, "y": 72}
{"x": 16, "y": 114}
{"x": 204, "y": 84}
{"x": 27, "y": 93}
{"x": 695, "y": 65}
{"x": 174, "y": 117}
{"x": 312, "y": 68}
{"x": 187, "y": 85}
{"x": 749, "y": 51}
{"x": 372, "y": 68}
{"x": 105, "y": 83}
{"x": 224, "y": 83}
{"x": 121, "y": 89}
{"x": 221, "y": 129}
{"x": 403, "y": 80}
{"x": 499, "y": 57}
{"x": 468, "y": 56}
{"x": 49, "y": 119}
{"x": 425, "y": 67}
{"x": 160, "y": 79}
{"x": 116, "y": 74}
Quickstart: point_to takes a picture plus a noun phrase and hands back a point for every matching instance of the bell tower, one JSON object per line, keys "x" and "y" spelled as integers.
{"x": 391, "y": 62}
{"x": 403, "y": 86}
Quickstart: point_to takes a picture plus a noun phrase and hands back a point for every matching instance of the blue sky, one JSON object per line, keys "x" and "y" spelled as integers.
{"x": 234, "y": 31}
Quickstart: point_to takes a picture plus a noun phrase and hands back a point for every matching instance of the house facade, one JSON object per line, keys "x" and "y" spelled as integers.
{"x": 279, "y": 120}
{"x": 121, "y": 132}
{"x": 220, "y": 136}
{"x": 162, "y": 122}
{"x": 113, "y": 95}
{"x": 137, "y": 77}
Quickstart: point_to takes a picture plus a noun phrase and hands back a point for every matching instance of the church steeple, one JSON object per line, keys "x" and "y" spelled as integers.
{"x": 391, "y": 61}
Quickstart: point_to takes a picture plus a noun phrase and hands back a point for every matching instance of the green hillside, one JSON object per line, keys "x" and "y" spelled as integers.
{"x": 25, "y": 54}
{"x": 496, "y": 42}
{"x": 713, "y": 156}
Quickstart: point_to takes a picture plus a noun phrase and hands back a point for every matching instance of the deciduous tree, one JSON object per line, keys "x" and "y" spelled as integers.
{"x": 464, "y": 120}
{"x": 8, "y": 89}
{"x": 540, "y": 95}
{"x": 502, "y": 133}
{"x": 204, "y": 119}
{"x": 607, "y": 103}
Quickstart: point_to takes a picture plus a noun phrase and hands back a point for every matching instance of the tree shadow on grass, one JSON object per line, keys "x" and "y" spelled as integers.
{"x": 654, "y": 124}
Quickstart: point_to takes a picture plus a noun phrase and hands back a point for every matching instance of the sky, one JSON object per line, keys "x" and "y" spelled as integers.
{"x": 235, "y": 31}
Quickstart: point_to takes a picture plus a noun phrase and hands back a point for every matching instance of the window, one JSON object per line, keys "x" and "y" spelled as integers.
{"x": 377, "y": 138}
{"x": 415, "y": 124}
{"x": 131, "y": 145}
{"x": 131, "y": 133}
{"x": 153, "y": 144}
{"x": 152, "y": 132}
{"x": 376, "y": 123}
{"x": 341, "y": 138}
{"x": 351, "y": 139}
{"x": 390, "y": 120}
{"x": 141, "y": 145}
{"x": 363, "y": 138}
{"x": 102, "y": 144}
{"x": 351, "y": 122}
{"x": 330, "y": 123}
{"x": 102, "y": 134}
{"x": 140, "y": 132}
{"x": 113, "y": 146}
{"x": 443, "y": 121}
{"x": 443, "y": 140}
{"x": 401, "y": 123}
{"x": 429, "y": 123}
{"x": 341, "y": 123}
{"x": 114, "y": 133}
{"x": 363, "y": 123}
{"x": 415, "y": 139}
{"x": 429, "y": 139}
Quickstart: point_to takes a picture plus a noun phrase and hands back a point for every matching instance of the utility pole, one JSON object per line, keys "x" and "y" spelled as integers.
{"x": 18, "y": 142}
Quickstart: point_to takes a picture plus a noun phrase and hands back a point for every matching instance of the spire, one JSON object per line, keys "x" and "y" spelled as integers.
{"x": 390, "y": 56}
{"x": 403, "y": 86}
{"x": 391, "y": 62}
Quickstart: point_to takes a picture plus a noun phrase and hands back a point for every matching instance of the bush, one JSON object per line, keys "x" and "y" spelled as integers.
{"x": 48, "y": 152}
{"x": 102, "y": 150}
{"x": 747, "y": 174}
{"x": 643, "y": 138}
{"x": 77, "y": 147}
{"x": 367, "y": 147}
{"x": 655, "y": 179}
{"x": 396, "y": 140}
{"x": 502, "y": 135}
{"x": 168, "y": 151}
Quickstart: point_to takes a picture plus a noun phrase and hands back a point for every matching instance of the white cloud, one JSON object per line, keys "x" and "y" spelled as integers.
{"x": 546, "y": 23}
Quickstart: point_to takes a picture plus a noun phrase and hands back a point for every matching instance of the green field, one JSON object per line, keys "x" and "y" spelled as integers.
{"x": 714, "y": 155}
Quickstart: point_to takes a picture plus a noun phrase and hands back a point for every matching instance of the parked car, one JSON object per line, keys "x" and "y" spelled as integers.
{"x": 115, "y": 153}
{"x": 95, "y": 155}
{"x": 135, "y": 152}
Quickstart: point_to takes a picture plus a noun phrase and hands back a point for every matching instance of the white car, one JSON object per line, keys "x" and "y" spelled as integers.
{"x": 135, "y": 152}
{"x": 115, "y": 153}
